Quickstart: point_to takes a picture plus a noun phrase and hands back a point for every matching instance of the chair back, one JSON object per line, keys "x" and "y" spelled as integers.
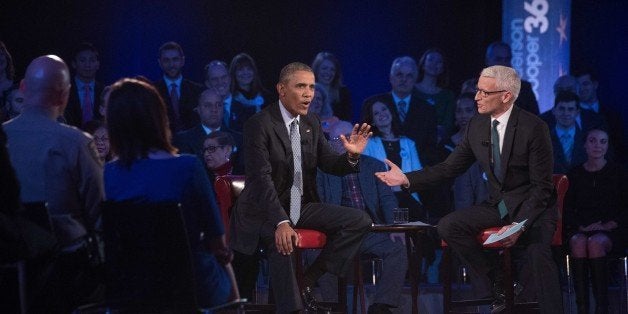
{"x": 561, "y": 183}
{"x": 228, "y": 188}
{"x": 148, "y": 260}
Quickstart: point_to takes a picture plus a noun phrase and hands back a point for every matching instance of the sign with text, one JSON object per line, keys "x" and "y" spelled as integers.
{"x": 538, "y": 32}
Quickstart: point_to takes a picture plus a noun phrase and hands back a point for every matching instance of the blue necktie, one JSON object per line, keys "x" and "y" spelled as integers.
{"x": 567, "y": 143}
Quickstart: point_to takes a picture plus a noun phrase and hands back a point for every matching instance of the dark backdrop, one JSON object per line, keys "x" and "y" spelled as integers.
{"x": 365, "y": 35}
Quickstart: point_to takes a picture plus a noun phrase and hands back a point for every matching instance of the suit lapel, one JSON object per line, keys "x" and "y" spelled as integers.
{"x": 509, "y": 138}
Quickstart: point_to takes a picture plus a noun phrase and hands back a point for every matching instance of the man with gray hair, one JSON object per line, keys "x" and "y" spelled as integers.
{"x": 415, "y": 116}
{"x": 514, "y": 148}
{"x": 59, "y": 165}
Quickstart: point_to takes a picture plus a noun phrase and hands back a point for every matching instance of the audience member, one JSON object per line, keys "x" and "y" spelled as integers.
{"x": 217, "y": 76}
{"x": 218, "y": 148}
{"x": 210, "y": 110}
{"x": 595, "y": 219}
{"x": 14, "y": 102}
{"x": 321, "y": 106}
{"x": 247, "y": 88}
{"x": 432, "y": 87}
{"x": 85, "y": 92}
{"x": 588, "y": 83}
{"x": 99, "y": 132}
{"x": 415, "y": 116}
{"x": 521, "y": 191}
{"x": 148, "y": 169}
{"x": 7, "y": 72}
{"x": 363, "y": 191}
{"x": 280, "y": 192}
{"x": 471, "y": 187}
{"x": 499, "y": 53}
{"x": 566, "y": 135}
{"x": 179, "y": 94}
{"x": 328, "y": 73}
{"x": 387, "y": 143}
{"x": 469, "y": 86}
{"x": 58, "y": 165}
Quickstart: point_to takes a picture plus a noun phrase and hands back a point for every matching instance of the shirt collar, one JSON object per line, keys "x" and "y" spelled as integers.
{"x": 287, "y": 116}
{"x": 176, "y": 81}
{"x": 209, "y": 130}
{"x": 397, "y": 99}
{"x": 560, "y": 131}
{"x": 503, "y": 119}
{"x": 80, "y": 85}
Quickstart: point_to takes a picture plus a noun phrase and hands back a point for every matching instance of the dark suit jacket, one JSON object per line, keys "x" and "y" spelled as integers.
{"x": 191, "y": 142}
{"x": 269, "y": 173}
{"x": 526, "y": 183}
{"x": 578, "y": 154}
{"x": 73, "y": 113}
{"x": 377, "y": 196}
{"x": 187, "y": 102}
{"x": 419, "y": 125}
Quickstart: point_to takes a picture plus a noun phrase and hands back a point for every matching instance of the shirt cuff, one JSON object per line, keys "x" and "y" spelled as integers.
{"x": 279, "y": 223}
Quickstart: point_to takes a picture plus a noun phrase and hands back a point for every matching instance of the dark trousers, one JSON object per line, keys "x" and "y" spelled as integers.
{"x": 539, "y": 274}
{"x": 345, "y": 229}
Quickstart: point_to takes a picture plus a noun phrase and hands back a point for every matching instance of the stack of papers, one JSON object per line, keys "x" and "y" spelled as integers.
{"x": 512, "y": 230}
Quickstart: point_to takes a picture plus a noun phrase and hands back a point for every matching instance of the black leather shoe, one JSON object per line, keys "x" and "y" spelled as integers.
{"x": 498, "y": 306}
{"x": 310, "y": 303}
{"x": 379, "y": 308}
{"x": 500, "y": 297}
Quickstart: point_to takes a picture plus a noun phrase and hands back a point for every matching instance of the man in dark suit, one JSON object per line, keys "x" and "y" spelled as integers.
{"x": 499, "y": 53}
{"x": 363, "y": 191}
{"x": 84, "y": 101}
{"x": 567, "y": 137}
{"x": 280, "y": 192}
{"x": 416, "y": 117}
{"x": 514, "y": 149}
{"x": 210, "y": 112}
{"x": 179, "y": 94}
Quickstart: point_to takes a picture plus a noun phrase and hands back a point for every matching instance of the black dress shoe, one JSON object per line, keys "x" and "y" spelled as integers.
{"x": 498, "y": 306}
{"x": 379, "y": 308}
{"x": 500, "y": 298}
{"x": 310, "y": 303}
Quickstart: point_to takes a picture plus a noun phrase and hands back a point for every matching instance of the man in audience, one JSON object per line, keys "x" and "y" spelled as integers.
{"x": 59, "y": 165}
{"x": 416, "y": 117}
{"x": 217, "y": 76}
{"x": 567, "y": 136}
{"x": 518, "y": 161}
{"x": 85, "y": 93}
{"x": 499, "y": 53}
{"x": 363, "y": 191}
{"x": 210, "y": 111}
{"x": 284, "y": 146}
{"x": 588, "y": 83}
{"x": 179, "y": 94}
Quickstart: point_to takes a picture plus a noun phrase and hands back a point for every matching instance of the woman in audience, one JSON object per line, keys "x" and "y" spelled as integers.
{"x": 217, "y": 149}
{"x": 595, "y": 219}
{"x": 386, "y": 143}
{"x": 321, "y": 106}
{"x": 328, "y": 73}
{"x": 246, "y": 86}
{"x": 7, "y": 72}
{"x": 148, "y": 169}
{"x": 432, "y": 82}
{"x": 101, "y": 137}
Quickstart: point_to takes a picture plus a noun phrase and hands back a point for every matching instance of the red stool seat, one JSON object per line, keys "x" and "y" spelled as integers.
{"x": 311, "y": 239}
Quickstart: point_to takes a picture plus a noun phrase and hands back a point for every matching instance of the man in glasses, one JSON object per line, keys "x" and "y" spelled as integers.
{"x": 514, "y": 148}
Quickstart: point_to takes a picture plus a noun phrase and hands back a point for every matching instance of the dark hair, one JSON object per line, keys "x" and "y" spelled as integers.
{"x": 336, "y": 82}
{"x": 84, "y": 46}
{"x": 171, "y": 45}
{"x": 497, "y": 44}
{"x": 223, "y": 138}
{"x": 239, "y": 61}
{"x": 466, "y": 96}
{"x": 443, "y": 79}
{"x": 93, "y": 125}
{"x": 10, "y": 70}
{"x": 367, "y": 117}
{"x": 137, "y": 121}
{"x": 566, "y": 96}
{"x": 291, "y": 68}
{"x": 586, "y": 70}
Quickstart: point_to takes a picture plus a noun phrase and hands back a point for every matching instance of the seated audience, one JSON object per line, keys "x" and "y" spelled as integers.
{"x": 595, "y": 219}
{"x": 7, "y": 72}
{"x": 85, "y": 94}
{"x": 217, "y": 149}
{"x": 98, "y": 130}
{"x": 328, "y": 73}
{"x": 148, "y": 169}
{"x": 247, "y": 88}
{"x": 363, "y": 191}
{"x": 432, "y": 87}
{"x": 566, "y": 135}
{"x": 14, "y": 101}
{"x": 58, "y": 164}
{"x": 321, "y": 106}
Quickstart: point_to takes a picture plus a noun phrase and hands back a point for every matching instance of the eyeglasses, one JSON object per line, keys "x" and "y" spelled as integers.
{"x": 484, "y": 93}
{"x": 211, "y": 149}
